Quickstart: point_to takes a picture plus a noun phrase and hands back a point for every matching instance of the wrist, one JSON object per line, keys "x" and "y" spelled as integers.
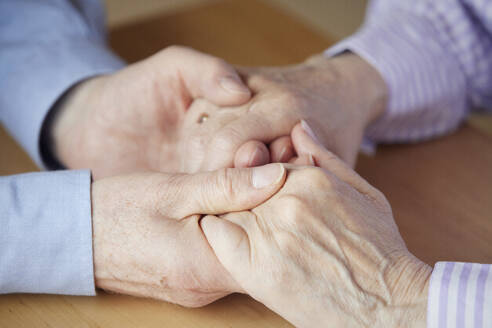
{"x": 67, "y": 129}
{"x": 408, "y": 282}
{"x": 361, "y": 83}
{"x": 97, "y": 231}
{"x": 103, "y": 224}
{"x": 366, "y": 83}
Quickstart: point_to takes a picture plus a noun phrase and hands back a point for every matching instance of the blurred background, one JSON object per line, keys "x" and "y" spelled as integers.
{"x": 334, "y": 18}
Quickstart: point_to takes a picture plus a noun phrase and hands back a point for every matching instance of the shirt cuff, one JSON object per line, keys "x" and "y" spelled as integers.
{"x": 460, "y": 295}
{"x": 427, "y": 88}
{"x": 41, "y": 79}
{"x": 46, "y": 239}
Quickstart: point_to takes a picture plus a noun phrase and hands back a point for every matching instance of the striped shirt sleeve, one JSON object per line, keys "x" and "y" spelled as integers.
{"x": 435, "y": 58}
{"x": 460, "y": 296}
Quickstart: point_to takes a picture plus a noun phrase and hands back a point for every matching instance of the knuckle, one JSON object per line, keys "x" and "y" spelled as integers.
{"x": 172, "y": 48}
{"x": 381, "y": 200}
{"x": 295, "y": 209}
{"x": 224, "y": 181}
{"x": 317, "y": 178}
{"x": 175, "y": 49}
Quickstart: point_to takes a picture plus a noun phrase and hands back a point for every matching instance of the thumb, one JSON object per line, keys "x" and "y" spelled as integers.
{"x": 209, "y": 77}
{"x": 225, "y": 190}
{"x": 230, "y": 243}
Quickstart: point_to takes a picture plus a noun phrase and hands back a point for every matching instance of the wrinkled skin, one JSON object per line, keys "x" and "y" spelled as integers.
{"x": 324, "y": 251}
{"x": 148, "y": 115}
{"x": 133, "y": 120}
{"x": 146, "y": 233}
{"x": 338, "y": 97}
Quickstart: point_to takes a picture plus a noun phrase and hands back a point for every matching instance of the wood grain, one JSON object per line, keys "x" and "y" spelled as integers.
{"x": 441, "y": 191}
{"x": 441, "y": 194}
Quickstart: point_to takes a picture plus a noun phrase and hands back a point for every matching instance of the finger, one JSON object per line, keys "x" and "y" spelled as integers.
{"x": 223, "y": 191}
{"x": 231, "y": 245}
{"x": 281, "y": 150}
{"x": 303, "y": 160}
{"x": 307, "y": 144}
{"x": 209, "y": 77}
{"x": 255, "y": 125}
{"x": 252, "y": 153}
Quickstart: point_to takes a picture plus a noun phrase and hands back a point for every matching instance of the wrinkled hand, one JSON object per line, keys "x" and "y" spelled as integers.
{"x": 204, "y": 154}
{"x": 338, "y": 97}
{"x": 146, "y": 233}
{"x": 133, "y": 120}
{"x": 324, "y": 251}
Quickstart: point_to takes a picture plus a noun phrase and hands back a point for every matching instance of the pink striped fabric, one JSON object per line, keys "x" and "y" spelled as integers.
{"x": 436, "y": 58}
{"x": 460, "y": 296}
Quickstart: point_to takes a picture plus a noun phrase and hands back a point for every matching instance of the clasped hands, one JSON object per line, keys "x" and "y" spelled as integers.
{"x": 308, "y": 238}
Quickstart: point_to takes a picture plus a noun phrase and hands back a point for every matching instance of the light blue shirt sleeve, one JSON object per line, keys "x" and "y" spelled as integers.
{"x": 46, "y": 233}
{"x": 46, "y": 46}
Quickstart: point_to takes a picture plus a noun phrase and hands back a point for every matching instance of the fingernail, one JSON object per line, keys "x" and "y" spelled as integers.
{"x": 309, "y": 131}
{"x": 264, "y": 176}
{"x": 232, "y": 85}
{"x": 281, "y": 158}
{"x": 254, "y": 158}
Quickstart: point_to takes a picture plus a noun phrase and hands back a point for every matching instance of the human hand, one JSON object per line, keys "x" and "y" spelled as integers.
{"x": 338, "y": 97}
{"x": 132, "y": 120}
{"x": 324, "y": 251}
{"x": 146, "y": 233}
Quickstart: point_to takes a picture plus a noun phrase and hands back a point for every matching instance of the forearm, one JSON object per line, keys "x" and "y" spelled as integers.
{"x": 46, "y": 240}
{"x": 356, "y": 79}
{"x": 46, "y": 47}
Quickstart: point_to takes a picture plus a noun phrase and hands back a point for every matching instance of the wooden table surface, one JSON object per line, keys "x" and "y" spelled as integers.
{"x": 441, "y": 191}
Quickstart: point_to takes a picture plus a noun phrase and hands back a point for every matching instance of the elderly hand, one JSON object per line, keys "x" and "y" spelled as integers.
{"x": 338, "y": 97}
{"x": 132, "y": 120}
{"x": 146, "y": 233}
{"x": 324, "y": 251}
